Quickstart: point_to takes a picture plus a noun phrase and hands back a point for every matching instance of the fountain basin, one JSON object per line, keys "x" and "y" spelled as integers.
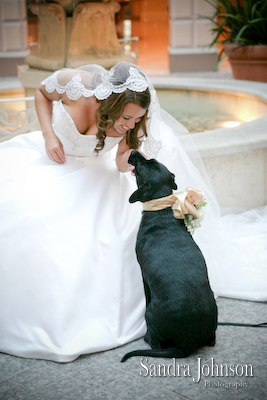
{"x": 235, "y": 158}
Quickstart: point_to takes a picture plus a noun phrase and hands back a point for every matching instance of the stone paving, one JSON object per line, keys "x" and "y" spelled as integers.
{"x": 237, "y": 362}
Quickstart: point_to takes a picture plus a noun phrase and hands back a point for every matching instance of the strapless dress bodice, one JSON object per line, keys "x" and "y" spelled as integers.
{"x": 75, "y": 143}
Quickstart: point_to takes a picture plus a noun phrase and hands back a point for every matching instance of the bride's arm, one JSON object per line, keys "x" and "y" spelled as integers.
{"x": 123, "y": 153}
{"x": 44, "y": 107}
{"x": 122, "y": 156}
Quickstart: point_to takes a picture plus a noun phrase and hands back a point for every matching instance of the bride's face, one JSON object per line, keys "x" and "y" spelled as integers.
{"x": 131, "y": 115}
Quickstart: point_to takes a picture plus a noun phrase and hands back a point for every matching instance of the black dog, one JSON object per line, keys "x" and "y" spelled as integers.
{"x": 181, "y": 312}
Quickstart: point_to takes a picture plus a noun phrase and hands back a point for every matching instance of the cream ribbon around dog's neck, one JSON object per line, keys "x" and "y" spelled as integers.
{"x": 182, "y": 203}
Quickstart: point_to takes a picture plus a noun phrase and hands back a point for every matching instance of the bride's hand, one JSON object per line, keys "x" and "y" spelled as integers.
{"x": 54, "y": 149}
{"x": 131, "y": 167}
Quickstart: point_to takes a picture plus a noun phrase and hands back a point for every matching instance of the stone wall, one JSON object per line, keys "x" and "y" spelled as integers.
{"x": 13, "y": 35}
{"x": 190, "y": 36}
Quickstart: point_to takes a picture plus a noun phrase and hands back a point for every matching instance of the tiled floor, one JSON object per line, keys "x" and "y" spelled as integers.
{"x": 102, "y": 376}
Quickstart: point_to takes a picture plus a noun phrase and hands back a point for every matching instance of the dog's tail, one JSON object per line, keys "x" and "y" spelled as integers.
{"x": 170, "y": 352}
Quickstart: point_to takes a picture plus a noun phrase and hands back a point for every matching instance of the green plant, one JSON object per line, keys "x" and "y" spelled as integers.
{"x": 239, "y": 22}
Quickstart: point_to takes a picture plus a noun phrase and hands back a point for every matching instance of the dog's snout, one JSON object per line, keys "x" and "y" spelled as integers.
{"x": 135, "y": 156}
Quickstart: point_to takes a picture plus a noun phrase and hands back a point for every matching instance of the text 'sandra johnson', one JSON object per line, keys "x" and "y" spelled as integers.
{"x": 205, "y": 370}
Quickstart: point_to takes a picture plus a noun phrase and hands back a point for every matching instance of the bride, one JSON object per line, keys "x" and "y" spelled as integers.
{"x": 70, "y": 283}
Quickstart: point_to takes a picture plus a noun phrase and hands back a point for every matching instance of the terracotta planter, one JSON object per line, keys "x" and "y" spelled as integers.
{"x": 248, "y": 62}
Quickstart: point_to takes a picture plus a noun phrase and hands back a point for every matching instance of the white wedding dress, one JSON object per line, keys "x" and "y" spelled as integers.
{"x": 70, "y": 283}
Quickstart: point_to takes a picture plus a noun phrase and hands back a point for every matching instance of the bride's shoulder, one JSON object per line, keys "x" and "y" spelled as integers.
{"x": 67, "y": 77}
{"x": 74, "y": 83}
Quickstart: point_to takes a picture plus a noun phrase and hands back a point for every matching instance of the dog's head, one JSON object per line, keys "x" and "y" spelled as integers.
{"x": 153, "y": 179}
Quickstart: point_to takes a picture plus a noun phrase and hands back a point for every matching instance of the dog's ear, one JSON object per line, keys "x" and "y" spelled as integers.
{"x": 141, "y": 194}
{"x": 174, "y": 186}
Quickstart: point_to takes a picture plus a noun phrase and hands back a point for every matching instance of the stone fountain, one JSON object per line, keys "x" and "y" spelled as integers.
{"x": 72, "y": 33}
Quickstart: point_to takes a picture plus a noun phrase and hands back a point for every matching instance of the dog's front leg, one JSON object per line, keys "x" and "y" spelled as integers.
{"x": 153, "y": 337}
{"x": 147, "y": 292}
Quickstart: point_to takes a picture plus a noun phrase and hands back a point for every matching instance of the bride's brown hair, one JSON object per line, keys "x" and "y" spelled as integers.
{"x": 112, "y": 108}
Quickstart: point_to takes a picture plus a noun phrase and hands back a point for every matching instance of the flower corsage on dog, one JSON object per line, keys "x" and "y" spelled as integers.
{"x": 188, "y": 206}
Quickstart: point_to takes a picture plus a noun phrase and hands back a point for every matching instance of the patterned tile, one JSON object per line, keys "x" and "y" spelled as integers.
{"x": 37, "y": 377}
{"x": 66, "y": 389}
{"x": 33, "y": 396}
{"x": 70, "y": 367}
{"x": 101, "y": 376}
{"x": 97, "y": 374}
{"x": 241, "y": 311}
{"x": 163, "y": 394}
{"x": 11, "y": 366}
{"x": 100, "y": 394}
{"x": 10, "y": 390}
{"x": 233, "y": 393}
{"x": 132, "y": 386}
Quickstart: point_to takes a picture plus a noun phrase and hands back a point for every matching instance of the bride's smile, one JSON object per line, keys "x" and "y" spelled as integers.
{"x": 132, "y": 114}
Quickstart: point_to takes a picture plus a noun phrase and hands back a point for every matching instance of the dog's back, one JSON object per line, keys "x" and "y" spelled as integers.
{"x": 175, "y": 270}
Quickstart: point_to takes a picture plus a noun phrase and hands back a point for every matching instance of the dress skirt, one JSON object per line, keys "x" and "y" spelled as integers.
{"x": 70, "y": 282}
